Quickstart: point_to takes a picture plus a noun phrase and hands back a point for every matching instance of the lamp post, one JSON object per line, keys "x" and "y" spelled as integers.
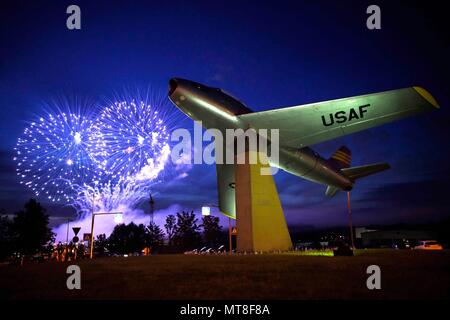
{"x": 350, "y": 222}
{"x": 230, "y": 236}
{"x": 152, "y": 207}
{"x": 92, "y": 224}
{"x": 230, "y": 229}
{"x": 67, "y": 236}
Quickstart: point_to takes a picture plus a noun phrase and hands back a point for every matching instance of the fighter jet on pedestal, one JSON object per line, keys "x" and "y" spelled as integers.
{"x": 305, "y": 125}
{"x": 299, "y": 127}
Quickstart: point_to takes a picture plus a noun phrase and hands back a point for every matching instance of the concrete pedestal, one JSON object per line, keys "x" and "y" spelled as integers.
{"x": 260, "y": 221}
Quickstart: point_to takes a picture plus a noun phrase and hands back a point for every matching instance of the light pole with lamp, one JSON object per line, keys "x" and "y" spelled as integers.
{"x": 206, "y": 212}
{"x": 152, "y": 208}
{"x": 92, "y": 223}
{"x": 67, "y": 236}
{"x": 350, "y": 220}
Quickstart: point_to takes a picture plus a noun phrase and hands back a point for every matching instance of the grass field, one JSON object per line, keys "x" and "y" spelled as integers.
{"x": 404, "y": 275}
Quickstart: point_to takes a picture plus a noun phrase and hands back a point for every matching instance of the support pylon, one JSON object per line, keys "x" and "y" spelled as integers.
{"x": 260, "y": 219}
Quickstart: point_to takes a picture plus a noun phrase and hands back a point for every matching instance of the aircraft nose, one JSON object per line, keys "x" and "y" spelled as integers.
{"x": 173, "y": 84}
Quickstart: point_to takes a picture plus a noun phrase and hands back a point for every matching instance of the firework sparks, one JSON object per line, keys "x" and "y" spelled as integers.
{"x": 129, "y": 137}
{"x": 51, "y": 155}
{"x": 116, "y": 155}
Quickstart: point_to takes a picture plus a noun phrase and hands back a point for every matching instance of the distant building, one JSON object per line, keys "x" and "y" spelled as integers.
{"x": 360, "y": 230}
{"x": 393, "y": 238}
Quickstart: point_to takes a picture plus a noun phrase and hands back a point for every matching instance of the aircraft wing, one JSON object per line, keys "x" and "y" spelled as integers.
{"x": 313, "y": 123}
{"x": 226, "y": 185}
{"x": 225, "y": 188}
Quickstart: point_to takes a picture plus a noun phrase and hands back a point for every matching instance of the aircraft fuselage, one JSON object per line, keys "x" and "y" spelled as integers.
{"x": 219, "y": 110}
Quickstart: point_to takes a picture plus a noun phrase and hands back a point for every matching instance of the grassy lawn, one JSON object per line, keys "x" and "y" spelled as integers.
{"x": 404, "y": 275}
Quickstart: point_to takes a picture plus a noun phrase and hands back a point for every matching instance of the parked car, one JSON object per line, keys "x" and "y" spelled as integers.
{"x": 428, "y": 245}
{"x": 208, "y": 250}
{"x": 221, "y": 249}
{"x": 202, "y": 250}
{"x": 196, "y": 251}
{"x": 40, "y": 257}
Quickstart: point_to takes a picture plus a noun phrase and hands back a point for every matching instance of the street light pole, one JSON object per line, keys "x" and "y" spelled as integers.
{"x": 350, "y": 222}
{"x": 152, "y": 205}
{"x": 92, "y": 235}
{"x": 67, "y": 236}
{"x": 93, "y": 221}
{"x": 92, "y": 227}
{"x": 230, "y": 237}
{"x": 230, "y": 229}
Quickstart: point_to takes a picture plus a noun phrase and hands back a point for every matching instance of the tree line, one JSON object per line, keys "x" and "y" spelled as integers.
{"x": 181, "y": 232}
{"x": 28, "y": 233}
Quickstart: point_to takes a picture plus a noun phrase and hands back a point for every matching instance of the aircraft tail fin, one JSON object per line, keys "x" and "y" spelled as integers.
{"x": 342, "y": 158}
{"x": 355, "y": 173}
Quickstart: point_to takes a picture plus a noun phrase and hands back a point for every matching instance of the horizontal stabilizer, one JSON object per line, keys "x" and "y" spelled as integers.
{"x": 364, "y": 171}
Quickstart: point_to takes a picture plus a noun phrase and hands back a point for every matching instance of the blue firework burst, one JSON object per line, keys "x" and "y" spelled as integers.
{"x": 51, "y": 155}
{"x": 128, "y": 137}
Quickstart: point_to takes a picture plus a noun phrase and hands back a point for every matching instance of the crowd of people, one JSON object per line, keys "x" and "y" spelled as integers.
{"x": 69, "y": 252}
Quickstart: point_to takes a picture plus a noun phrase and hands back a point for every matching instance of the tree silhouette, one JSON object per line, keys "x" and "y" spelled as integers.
{"x": 171, "y": 226}
{"x": 101, "y": 243}
{"x": 6, "y": 237}
{"x": 30, "y": 228}
{"x": 187, "y": 235}
{"x": 155, "y": 236}
{"x": 211, "y": 230}
{"x": 127, "y": 238}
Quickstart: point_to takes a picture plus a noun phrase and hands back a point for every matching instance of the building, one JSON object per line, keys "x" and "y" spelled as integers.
{"x": 393, "y": 238}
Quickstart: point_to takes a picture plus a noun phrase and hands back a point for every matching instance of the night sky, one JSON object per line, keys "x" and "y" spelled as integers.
{"x": 269, "y": 54}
